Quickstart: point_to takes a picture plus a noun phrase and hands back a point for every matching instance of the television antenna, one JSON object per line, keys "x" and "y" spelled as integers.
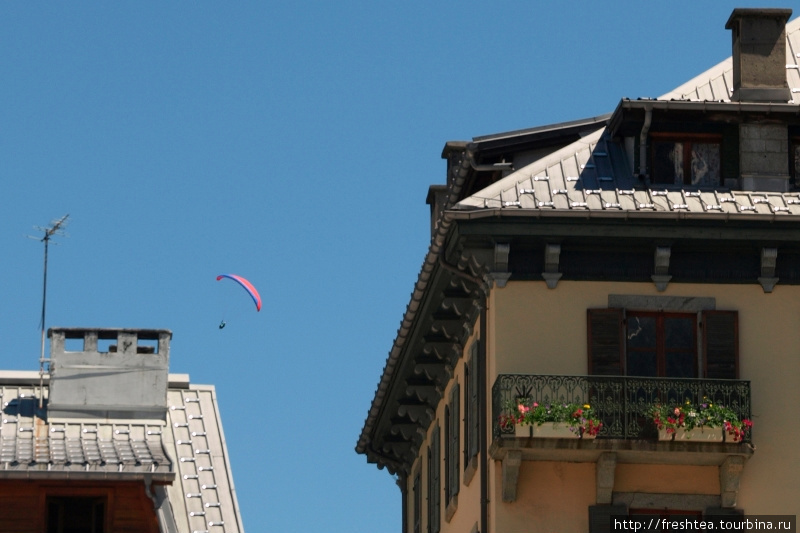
{"x": 55, "y": 228}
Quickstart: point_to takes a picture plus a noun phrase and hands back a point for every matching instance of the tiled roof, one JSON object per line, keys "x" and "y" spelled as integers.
{"x": 203, "y": 493}
{"x": 187, "y": 450}
{"x": 592, "y": 175}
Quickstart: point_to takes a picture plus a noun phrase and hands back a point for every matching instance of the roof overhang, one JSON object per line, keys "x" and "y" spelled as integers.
{"x": 628, "y": 116}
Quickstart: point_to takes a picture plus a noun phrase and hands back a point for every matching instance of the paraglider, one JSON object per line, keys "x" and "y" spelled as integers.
{"x": 247, "y": 286}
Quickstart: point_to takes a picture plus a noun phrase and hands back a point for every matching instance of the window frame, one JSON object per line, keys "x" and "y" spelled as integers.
{"x": 662, "y": 350}
{"x": 687, "y": 139}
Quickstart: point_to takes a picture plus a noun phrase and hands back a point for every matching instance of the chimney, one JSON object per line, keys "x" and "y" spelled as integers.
{"x": 759, "y": 55}
{"x": 108, "y": 373}
{"x": 437, "y": 197}
{"x": 759, "y": 76}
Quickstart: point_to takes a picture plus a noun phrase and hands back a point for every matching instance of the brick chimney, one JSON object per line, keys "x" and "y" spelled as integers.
{"x": 759, "y": 54}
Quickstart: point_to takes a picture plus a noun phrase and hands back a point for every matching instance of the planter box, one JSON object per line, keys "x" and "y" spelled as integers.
{"x": 522, "y": 430}
{"x": 693, "y": 435}
{"x": 700, "y": 435}
{"x": 663, "y": 435}
{"x": 551, "y": 430}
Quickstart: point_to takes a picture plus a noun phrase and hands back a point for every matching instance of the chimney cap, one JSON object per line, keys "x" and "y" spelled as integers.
{"x": 758, "y": 12}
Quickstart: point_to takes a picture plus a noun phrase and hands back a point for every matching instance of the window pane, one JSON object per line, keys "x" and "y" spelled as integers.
{"x": 679, "y": 347}
{"x": 679, "y": 332}
{"x": 705, "y": 164}
{"x": 668, "y": 163}
{"x": 642, "y": 354}
{"x": 642, "y": 363}
{"x": 641, "y": 331}
{"x": 680, "y": 365}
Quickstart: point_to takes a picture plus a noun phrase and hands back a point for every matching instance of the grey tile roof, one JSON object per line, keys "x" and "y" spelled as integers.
{"x": 187, "y": 450}
{"x": 72, "y": 449}
{"x": 592, "y": 175}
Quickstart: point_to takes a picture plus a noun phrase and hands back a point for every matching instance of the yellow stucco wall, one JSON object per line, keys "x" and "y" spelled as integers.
{"x": 552, "y": 497}
{"x": 532, "y": 329}
{"x": 667, "y": 479}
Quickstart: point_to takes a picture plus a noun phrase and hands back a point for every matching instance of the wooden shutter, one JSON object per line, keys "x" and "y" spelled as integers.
{"x": 434, "y": 483}
{"x": 472, "y": 410}
{"x": 454, "y": 441}
{"x": 721, "y": 344}
{"x": 606, "y": 341}
{"x": 417, "y": 503}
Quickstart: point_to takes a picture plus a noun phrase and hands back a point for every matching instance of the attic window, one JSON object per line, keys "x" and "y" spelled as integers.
{"x": 694, "y": 160}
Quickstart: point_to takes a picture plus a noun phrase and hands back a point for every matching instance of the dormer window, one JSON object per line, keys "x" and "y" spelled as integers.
{"x": 693, "y": 160}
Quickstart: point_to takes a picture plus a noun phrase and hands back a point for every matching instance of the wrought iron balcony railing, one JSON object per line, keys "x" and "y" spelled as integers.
{"x": 622, "y": 403}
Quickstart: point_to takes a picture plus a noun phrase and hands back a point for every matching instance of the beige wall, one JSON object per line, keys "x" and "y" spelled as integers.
{"x": 552, "y": 497}
{"x": 532, "y": 329}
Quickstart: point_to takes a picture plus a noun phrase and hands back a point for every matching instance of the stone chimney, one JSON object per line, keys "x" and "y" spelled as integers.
{"x": 437, "y": 197}
{"x": 108, "y": 373}
{"x": 759, "y": 55}
{"x": 759, "y": 76}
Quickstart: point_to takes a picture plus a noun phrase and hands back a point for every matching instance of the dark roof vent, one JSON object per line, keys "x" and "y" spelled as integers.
{"x": 108, "y": 373}
{"x": 759, "y": 55}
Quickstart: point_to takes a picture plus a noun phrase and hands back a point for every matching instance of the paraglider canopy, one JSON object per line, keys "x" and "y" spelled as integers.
{"x": 246, "y": 285}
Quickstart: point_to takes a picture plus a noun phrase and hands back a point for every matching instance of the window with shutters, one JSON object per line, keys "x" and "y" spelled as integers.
{"x": 417, "y": 489}
{"x": 434, "y": 484}
{"x": 648, "y": 343}
{"x": 471, "y": 418}
{"x": 452, "y": 447}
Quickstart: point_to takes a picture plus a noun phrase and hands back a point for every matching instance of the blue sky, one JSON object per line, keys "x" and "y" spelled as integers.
{"x": 292, "y": 143}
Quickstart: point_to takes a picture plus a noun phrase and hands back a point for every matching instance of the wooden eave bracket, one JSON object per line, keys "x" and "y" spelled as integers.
{"x": 769, "y": 257}
{"x": 500, "y": 273}
{"x": 661, "y": 276}
{"x": 551, "y": 275}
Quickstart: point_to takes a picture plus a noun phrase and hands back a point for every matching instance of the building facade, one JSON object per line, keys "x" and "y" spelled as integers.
{"x": 109, "y": 441}
{"x": 642, "y": 259}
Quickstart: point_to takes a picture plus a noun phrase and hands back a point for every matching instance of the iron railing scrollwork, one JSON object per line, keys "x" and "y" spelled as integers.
{"x": 622, "y": 403}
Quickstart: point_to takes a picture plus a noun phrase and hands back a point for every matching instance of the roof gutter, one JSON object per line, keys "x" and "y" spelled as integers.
{"x": 478, "y": 213}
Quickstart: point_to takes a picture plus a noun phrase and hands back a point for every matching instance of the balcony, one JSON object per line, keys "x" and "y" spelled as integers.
{"x": 628, "y": 434}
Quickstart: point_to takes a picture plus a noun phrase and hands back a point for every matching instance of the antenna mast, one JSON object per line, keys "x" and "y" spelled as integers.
{"x": 56, "y": 227}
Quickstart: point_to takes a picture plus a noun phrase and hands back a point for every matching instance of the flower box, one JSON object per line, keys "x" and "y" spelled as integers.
{"x": 553, "y": 430}
{"x": 692, "y": 435}
{"x": 663, "y": 434}
{"x": 709, "y": 422}
{"x": 699, "y": 435}
{"x": 522, "y": 430}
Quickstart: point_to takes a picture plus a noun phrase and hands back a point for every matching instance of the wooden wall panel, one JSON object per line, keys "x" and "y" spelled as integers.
{"x": 22, "y": 504}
